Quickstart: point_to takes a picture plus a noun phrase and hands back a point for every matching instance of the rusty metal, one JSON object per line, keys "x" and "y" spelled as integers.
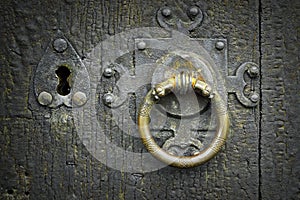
{"x": 163, "y": 89}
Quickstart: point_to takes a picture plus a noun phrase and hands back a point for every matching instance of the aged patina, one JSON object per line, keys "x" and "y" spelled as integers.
{"x": 84, "y": 143}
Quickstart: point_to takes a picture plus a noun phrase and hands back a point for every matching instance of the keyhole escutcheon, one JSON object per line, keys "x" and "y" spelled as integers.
{"x": 63, "y": 74}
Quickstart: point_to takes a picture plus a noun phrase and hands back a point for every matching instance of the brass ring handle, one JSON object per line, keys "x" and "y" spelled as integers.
{"x": 163, "y": 89}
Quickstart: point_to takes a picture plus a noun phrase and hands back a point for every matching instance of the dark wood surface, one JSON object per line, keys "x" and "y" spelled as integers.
{"x": 42, "y": 157}
{"x": 280, "y": 158}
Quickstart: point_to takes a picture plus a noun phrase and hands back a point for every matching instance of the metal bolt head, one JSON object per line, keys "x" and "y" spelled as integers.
{"x": 254, "y": 97}
{"x": 108, "y": 72}
{"x": 220, "y": 45}
{"x": 253, "y": 71}
{"x": 108, "y": 98}
{"x": 45, "y": 98}
{"x": 166, "y": 12}
{"x": 60, "y": 45}
{"x": 79, "y": 98}
{"x": 141, "y": 45}
{"x": 194, "y": 10}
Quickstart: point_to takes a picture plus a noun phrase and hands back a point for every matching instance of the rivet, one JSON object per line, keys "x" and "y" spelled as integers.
{"x": 194, "y": 10}
{"x": 45, "y": 98}
{"x": 254, "y": 97}
{"x": 141, "y": 45}
{"x": 253, "y": 71}
{"x": 108, "y": 72}
{"x": 108, "y": 98}
{"x": 60, "y": 45}
{"x": 79, "y": 98}
{"x": 220, "y": 45}
{"x": 166, "y": 12}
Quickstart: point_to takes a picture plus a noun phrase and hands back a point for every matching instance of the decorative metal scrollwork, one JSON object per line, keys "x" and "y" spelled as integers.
{"x": 167, "y": 19}
{"x": 236, "y": 84}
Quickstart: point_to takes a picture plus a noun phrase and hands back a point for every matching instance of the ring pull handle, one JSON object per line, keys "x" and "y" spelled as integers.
{"x": 183, "y": 82}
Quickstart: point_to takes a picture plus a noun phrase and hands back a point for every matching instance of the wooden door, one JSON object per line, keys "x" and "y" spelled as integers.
{"x": 45, "y": 156}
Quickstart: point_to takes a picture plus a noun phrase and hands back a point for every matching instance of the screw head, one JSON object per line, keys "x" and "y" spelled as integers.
{"x": 220, "y": 45}
{"x": 254, "y": 97}
{"x": 141, "y": 45}
{"x": 166, "y": 12}
{"x": 60, "y": 45}
{"x": 79, "y": 98}
{"x": 253, "y": 71}
{"x": 108, "y": 98}
{"x": 45, "y": 98}
{"x": 108, "y": 72}
{"x": 194, "y": 10}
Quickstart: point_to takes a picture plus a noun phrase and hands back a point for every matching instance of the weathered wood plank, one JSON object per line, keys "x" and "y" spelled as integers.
{"x": 280, "y": 155}
{"x": 41, "y": 155}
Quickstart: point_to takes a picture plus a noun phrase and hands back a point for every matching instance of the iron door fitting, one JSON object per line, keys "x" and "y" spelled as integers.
{"x": 61, "y": 78}
{"x": 207, "y": 58}
{"x": 56, "y": 73}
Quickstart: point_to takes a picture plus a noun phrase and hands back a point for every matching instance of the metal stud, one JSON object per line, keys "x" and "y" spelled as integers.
{"x": 108, "y": 72}
{"x": 194, "y": 11}
{"x": 45, "y": 98}
{"x": 79, "y": 98}
{"x": 253, "y": 71}
{"x": 108, "y": 98}
{"x": 141, "y": 45}
{"x": 220, "y": 45}
{"x": 254, "y": 97}
{"x": 60, "y": 45}
{"x": 166, "y": 12}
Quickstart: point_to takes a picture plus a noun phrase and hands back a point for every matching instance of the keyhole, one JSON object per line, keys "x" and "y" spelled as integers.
{"x": 63, "y": 87}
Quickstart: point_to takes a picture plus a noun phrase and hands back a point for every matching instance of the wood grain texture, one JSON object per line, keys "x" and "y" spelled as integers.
{"x": 280, "y": 155}
{"x": 41, "y": 156}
